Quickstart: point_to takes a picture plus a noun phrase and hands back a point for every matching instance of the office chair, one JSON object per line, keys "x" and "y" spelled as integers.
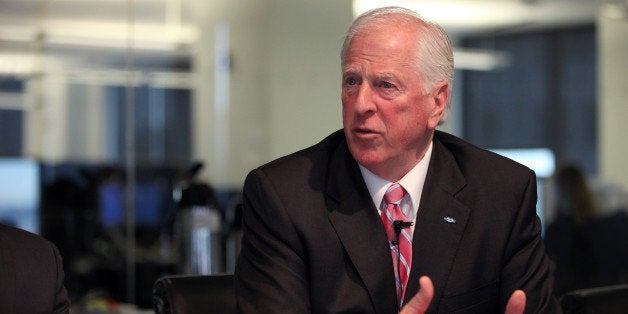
{"x": 607, "y": 299}
{"x": 190, "y": 294}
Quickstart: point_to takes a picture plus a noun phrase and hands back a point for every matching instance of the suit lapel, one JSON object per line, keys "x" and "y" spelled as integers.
{"x": 441, "y": 221}
{"x": 355, "y": 219}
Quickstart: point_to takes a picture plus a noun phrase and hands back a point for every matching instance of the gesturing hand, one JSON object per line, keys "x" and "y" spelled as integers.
{"x": 421, "y": 301}
{"x": 516, "y": 303}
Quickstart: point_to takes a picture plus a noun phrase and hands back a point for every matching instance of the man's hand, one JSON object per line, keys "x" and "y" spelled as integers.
{"x": 421, "y": 301}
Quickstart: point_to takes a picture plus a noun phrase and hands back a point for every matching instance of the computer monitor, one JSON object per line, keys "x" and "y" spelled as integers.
{"x": 20, "y": 193}
{"x": 543, "y": 162}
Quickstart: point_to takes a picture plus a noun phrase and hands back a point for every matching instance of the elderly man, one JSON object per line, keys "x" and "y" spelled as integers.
{"x": 390, "y": 214}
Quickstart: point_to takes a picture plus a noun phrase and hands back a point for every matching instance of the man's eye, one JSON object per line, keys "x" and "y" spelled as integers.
{"x": 351, "y": 81}
{"x": 387, "y": 85}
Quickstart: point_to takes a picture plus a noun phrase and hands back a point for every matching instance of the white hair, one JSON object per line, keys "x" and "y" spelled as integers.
{"x": 434, "y": 60}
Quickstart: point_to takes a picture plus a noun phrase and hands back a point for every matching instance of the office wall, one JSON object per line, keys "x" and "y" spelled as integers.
{"x": 613, "y": 95}
{"x": 283, "y": 90}
{"x": 230, "y": 99}
{"x": 305, "y": 39}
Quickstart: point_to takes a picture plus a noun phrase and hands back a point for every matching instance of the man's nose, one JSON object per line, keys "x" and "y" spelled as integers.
{"x": 364, "y": 100}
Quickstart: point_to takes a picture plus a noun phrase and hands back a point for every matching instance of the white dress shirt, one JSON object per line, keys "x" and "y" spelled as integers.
{"x": 412, "y": 182}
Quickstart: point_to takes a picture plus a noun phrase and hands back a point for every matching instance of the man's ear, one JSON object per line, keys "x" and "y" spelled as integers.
{"x": 440, "y": 99}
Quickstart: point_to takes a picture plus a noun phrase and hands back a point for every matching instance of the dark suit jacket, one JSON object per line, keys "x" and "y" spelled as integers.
{"x": 313, "y": 240}
{"x": 31, "y": 274}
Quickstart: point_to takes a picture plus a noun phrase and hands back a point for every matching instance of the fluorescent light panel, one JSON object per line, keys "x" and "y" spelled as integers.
{"x": 85, "y": 33}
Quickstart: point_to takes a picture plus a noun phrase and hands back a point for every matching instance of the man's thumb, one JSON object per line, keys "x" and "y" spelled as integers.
{"x": 421, "y": 301}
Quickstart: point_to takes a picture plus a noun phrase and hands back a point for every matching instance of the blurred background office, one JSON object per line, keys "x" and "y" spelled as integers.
{"x": 586, "y": 246}
{"x": 128, "y": 126}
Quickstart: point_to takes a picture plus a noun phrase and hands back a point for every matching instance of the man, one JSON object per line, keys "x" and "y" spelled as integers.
{"x": 321, "y": 234}
{"x": 31, "y": 274}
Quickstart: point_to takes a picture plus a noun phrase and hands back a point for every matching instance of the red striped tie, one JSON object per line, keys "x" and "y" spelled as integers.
{"x": 401, "y": 244}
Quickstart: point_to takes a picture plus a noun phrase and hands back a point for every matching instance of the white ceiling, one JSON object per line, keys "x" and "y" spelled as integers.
{"x": 463, "y": 17}
{"x": 22, "y": 19}
{"x": 167, "y": 26}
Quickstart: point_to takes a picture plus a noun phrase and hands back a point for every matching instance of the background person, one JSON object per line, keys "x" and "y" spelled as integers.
{"x": 587, "y": 247}
{"x": 31, "y": 274}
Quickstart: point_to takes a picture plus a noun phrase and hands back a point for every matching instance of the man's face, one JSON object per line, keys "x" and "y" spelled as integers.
{"x": 388, "y": 120}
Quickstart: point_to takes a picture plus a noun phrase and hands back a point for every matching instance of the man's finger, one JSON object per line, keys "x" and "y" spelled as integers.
{"x": 421, "y": 301}
{"x": 516, "y": 303}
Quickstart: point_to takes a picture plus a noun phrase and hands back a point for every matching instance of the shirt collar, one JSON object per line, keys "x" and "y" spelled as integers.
{"x": 413, "y": 182}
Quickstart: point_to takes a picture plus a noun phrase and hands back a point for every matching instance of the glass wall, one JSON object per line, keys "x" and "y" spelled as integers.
{"x": 95, "y": 116}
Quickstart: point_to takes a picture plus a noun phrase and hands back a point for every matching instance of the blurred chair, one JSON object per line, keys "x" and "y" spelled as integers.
{"x": 608, "y": 300}
{"x": 189, "y": 294}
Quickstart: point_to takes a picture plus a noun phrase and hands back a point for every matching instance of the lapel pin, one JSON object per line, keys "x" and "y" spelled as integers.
{"x": 450, "y": 220}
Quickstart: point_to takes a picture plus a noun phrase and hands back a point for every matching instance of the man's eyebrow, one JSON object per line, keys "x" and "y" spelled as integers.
{"x": 349, "y": 71}
{"x": 385, "y": 75}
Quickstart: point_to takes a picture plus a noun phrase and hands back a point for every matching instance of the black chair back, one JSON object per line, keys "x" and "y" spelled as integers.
{"x": 608, "y": 300}
{"x": 190, "y": 294}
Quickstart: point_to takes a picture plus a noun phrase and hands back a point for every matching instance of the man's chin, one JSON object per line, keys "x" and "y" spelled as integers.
{"x": 369, "y": 159}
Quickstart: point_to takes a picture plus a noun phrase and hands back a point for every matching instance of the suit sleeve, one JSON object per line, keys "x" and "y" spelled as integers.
{"x": 271, "y": 273}
{"x": 527, "y": 266}
{"x": 61, "y": 300}
{"x": 34, "y": 280}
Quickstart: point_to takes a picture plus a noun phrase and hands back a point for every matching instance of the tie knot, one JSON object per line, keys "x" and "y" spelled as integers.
{"x": 394, "y": 194}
